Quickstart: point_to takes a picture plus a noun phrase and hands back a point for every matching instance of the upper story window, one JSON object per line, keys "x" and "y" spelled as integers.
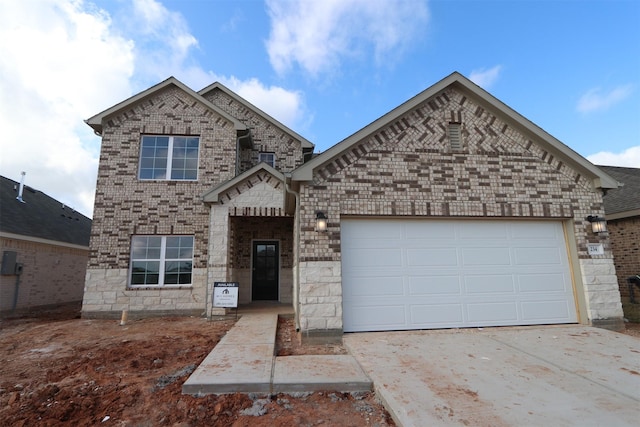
{"x": 169, "y": 157}
{"x": 268, "y": 158}
{"x": 161, "y": 261}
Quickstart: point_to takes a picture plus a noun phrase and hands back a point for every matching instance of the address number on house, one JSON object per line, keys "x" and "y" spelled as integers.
{"x": 225, "y": 294}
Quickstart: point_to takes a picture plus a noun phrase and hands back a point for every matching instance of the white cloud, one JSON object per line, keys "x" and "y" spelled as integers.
{"x": 62, "y": 61}
{"x": 54, "y": 75}
{"x": 627, "y": 158}
{"x": 286, "y": 106}
{"x": 317, "y": 35}
{"x": 597, "y": 100}
{"x": 485, "y": 78}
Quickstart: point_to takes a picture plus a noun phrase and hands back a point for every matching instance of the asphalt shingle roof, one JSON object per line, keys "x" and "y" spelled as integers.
{"x": 627, "y": 197}
{"x": 40, "y": 216}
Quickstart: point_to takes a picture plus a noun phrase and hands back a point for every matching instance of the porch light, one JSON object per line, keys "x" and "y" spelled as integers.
{"x": 598, "y": 224}
{"x": 321, "y": 221}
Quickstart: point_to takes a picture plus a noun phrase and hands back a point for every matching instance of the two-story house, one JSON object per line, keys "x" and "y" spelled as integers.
{"x": 451, "y": 210}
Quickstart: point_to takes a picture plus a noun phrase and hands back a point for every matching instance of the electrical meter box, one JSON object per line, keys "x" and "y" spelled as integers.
{"x": 9, "y": 263}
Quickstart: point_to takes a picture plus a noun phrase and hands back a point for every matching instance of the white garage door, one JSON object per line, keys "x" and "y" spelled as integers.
{"x": 422, "y": 274}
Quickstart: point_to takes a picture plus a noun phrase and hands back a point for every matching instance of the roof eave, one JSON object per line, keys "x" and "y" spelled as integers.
{"x": 599, "y": 178}
{"x": 96, "y": 122}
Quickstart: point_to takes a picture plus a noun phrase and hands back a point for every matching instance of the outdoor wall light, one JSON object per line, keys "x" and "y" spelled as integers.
{"x": 321, "y": 221}
{"x": 598, "y": 224}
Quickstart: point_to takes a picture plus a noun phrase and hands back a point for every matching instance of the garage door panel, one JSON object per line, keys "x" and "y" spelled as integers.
{"x": 440, "y": 315}
{"x": 435, "y": 257}
{"x": 548, "y": 311}
{"x": 416, "y": 230}
{"x": 492, "y": 313}
{"x": 486, "y": 256}
{"x": 377, "y": 286}
{"x": 544, "y": 283}
{"x": 363, "y": 318}
{"x": 448, "y": 273}
{"x": 538, "y": 256}
{"x": 490, "y": 284}
{"x": 491, "y": 230}
{"x": 434, "y": 285}
{"x": 382, "y": 257}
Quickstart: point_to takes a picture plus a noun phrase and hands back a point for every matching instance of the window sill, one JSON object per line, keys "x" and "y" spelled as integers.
{"x": 158, "y": 288}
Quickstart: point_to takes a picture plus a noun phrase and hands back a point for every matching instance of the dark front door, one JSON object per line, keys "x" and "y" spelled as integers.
{"x": 265, "y": 270}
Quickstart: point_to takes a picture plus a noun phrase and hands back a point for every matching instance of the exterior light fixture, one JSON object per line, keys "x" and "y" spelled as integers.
{"x": 598, "y": 224}
{"x": 321, "y": 221}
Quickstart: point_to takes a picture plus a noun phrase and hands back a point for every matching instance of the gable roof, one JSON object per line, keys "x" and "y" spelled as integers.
{"x": 464, "y": 85}
{"x": 219, "y": 86}
{"x": 96, "y": 121}
{"x": 40, "y": 216}
{"x": 624, "y": 201}
{"x": 212, "y": 196}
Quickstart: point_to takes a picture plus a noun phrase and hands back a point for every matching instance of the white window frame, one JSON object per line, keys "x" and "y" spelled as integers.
{"x": 169, "y": 166}
{"x": 162, "y": 260}
{"x": 263, "y": 155}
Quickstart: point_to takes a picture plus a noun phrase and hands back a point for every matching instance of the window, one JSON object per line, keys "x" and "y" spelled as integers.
{"x": 268, "y": 158}
{"x": 161, "y": 260}
{"x": 169, "y": 157}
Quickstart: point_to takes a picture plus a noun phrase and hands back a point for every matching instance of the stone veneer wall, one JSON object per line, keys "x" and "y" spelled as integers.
{"x": 266, "y": 136}
{"x": 51, "y": 275}
{"x": 410, "y": 169}
{"x": 625, "y": 244}
{"x": 126, "y": 206}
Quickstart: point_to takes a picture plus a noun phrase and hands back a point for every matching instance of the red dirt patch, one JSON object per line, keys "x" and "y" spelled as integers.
{"x": 58, "y": 372}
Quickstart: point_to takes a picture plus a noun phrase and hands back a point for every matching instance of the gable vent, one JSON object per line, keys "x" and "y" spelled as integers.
{"x": 455, "y": 135}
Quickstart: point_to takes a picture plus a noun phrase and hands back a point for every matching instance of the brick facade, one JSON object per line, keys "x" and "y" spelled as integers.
{"x": 408, "y": 168}
{"x": 51, "y": 275}
{"x": 126, "y": 206}
{"x": 625, "y": 244}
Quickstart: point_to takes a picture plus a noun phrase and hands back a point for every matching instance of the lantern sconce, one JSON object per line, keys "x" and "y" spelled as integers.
{"x": 321, "y": 221}
{"x": 598, "y": 224}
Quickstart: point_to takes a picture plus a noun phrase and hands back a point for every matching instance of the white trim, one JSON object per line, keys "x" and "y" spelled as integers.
{"x": 43, "y": 241}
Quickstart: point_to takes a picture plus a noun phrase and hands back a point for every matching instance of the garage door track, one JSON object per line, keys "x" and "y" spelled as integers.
{"x": 526, "y": 376}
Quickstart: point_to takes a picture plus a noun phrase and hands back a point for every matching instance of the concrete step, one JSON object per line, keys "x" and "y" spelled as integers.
{"x": 244, "y": 361}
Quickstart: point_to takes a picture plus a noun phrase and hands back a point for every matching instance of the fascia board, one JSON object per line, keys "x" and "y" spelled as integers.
{"x": 96, "y": 121}
{"x": 599, "y": 178}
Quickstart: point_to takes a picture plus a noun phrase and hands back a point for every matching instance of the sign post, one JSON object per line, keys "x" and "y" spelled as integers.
{"x": 225, "y": 294}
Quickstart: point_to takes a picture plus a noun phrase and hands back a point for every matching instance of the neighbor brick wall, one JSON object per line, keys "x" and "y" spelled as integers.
{"x": 266, "y": 136}
{"x": 625, "y": 244}
{"x": 409, "y": 169}
{"x": 51, "y": 275}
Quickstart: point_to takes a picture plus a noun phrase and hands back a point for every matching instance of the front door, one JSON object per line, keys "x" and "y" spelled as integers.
{"x": 265, "y": 270}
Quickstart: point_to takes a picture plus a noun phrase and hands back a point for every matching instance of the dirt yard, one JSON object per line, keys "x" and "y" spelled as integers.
{"x": 59, "y": 371}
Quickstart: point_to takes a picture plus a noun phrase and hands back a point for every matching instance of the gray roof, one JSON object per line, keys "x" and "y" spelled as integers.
{"x": 624, "y": 201}
{"x": 40, "y": 216}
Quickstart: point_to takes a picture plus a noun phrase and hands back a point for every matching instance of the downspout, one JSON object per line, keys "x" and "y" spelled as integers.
{"x": 296, "y": 196}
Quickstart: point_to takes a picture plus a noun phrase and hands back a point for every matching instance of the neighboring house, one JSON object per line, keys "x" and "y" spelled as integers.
{"x": 44, "y": 246}
{"x": 622, "y": 209}
{"x": 452, "y": 210}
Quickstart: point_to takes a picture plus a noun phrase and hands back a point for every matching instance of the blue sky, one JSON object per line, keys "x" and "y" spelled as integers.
{"x": 324, "y": 68}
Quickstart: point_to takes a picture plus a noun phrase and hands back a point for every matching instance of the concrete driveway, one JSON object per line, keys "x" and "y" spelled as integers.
{"x": 526, "y": 376}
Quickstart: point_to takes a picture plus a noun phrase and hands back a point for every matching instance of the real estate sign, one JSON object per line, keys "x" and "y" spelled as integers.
{"x": 225, "y": 294}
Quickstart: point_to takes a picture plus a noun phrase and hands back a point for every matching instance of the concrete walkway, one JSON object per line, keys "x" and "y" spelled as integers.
{"x": 244, "y": 361}
{"x": 531, "y": 376}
